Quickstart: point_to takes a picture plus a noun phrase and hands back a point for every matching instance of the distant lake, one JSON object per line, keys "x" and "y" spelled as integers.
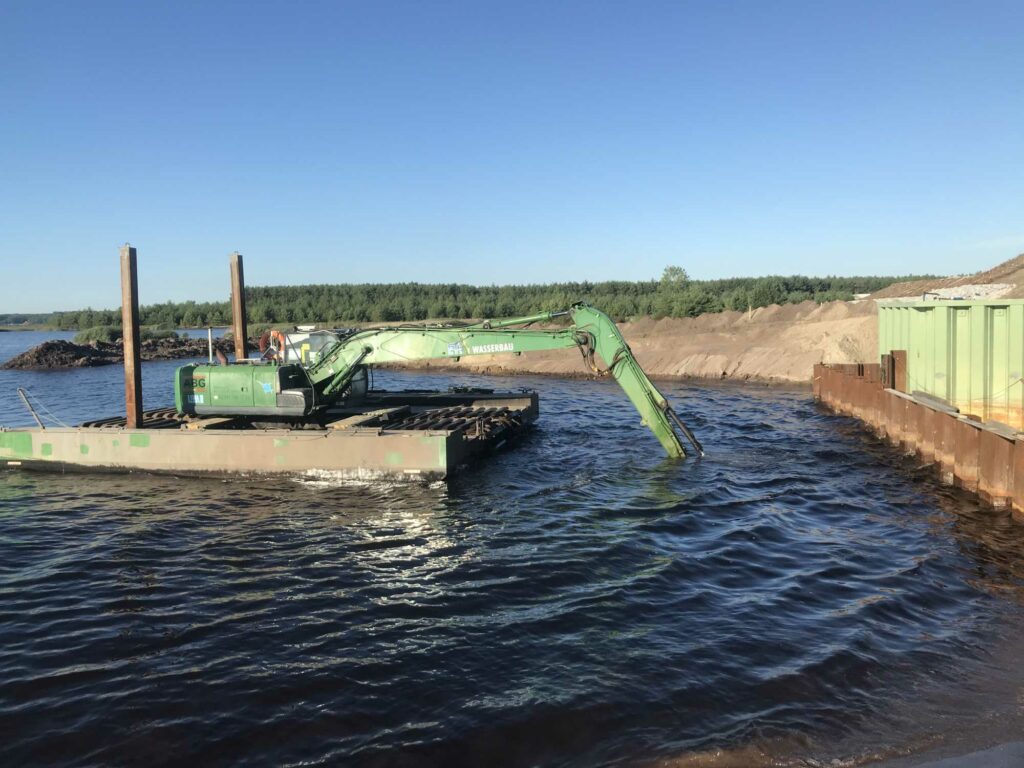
{"x": 200, "y": 333}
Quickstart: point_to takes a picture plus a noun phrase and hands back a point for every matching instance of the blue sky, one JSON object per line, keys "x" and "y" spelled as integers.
{"x": 507, "y": 142}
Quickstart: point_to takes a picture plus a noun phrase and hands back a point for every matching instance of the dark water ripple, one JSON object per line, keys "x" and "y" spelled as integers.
{"x": 575, "y": 601}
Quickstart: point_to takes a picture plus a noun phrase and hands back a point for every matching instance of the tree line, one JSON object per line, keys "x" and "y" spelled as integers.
{"x": 674, "y": 295}
{"x": 23, "y": 318}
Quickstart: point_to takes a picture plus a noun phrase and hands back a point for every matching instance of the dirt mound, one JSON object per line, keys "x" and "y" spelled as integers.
{"x": 1011, "y": 271}
{"x": 60, "y": 354}
{"x": 66, "y": 354}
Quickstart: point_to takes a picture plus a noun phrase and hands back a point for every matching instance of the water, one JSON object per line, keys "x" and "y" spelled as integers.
{"x": 801, "y": 595}
{"x": 201, "y": 333}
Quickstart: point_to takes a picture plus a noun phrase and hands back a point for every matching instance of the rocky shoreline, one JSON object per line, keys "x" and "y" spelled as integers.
{"x": 66, "y": 354}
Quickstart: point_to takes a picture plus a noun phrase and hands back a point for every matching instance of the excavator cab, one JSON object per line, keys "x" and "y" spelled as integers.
{"x": 303, "y": 345}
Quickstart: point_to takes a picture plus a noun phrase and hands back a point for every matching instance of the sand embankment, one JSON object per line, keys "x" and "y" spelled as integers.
{"x": 776, "y": 343}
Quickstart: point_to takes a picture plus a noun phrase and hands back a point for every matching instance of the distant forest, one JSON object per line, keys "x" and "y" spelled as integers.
{"x": 675, "y": 295}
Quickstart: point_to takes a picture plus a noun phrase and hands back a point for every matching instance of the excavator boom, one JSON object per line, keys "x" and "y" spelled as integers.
{"x": 293, "y": 390}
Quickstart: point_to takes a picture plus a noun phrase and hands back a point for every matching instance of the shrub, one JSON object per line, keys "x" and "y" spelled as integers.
{"x": 107, "y": 333}
{"x": 155, "y": 333}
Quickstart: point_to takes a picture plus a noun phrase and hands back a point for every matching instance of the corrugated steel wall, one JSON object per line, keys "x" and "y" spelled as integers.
{"x": 981, "y": 458}
{"x": 970, "y": 353}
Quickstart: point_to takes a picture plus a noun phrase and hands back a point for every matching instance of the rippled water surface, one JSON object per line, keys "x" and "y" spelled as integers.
{"x": 800, "y": 595}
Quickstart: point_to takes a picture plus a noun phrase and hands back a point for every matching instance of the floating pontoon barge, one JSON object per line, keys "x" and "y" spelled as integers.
{"x": 415, "y": 435}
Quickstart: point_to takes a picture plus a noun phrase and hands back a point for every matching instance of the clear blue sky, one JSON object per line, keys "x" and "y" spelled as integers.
{"x": 489, "y": 142}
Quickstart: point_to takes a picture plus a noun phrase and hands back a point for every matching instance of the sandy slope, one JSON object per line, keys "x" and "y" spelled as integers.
{"x": 1009, "y": 276}
{"x": 776, "y": 343}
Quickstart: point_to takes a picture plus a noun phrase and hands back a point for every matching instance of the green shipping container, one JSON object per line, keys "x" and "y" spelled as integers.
{"x": 969, "y": 353}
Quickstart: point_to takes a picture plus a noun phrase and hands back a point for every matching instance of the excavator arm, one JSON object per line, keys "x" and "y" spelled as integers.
{"x": 592, "y": 332}
{"x": 655, "y": 411}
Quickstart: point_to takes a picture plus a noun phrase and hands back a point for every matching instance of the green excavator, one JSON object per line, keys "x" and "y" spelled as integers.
{"x": 299, "y": 382}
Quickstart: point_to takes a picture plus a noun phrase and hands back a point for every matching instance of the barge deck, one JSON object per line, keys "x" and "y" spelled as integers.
{"x": 415, "y": 435}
